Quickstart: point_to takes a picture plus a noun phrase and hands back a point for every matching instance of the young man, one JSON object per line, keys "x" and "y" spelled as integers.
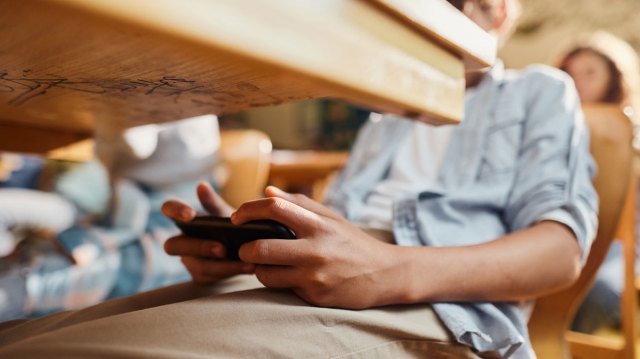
{"x": 481, "y": 218}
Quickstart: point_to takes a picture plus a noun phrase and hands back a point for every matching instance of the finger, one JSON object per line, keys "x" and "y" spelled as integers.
{"x": 302, "y": 201}
{"x": 296, "y": 218}
{"x": 195, "y": 275}
{"x": 178, "y": 211}
{"x": 212, "y": 202}
{"x": 206, "y": 269}
{"x": 277, "y": 276}
{"x": 279, "y": 252}
{"x": 186, "y": 246}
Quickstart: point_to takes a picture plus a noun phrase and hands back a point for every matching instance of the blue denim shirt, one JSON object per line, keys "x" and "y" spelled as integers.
{"x": 521, "y": 153}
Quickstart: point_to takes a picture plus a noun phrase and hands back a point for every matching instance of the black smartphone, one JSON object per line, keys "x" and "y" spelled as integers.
{"x": 233, "y": 236}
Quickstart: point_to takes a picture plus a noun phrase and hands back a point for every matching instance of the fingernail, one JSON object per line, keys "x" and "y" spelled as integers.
{"x": 233, "y": 217}
{"x": 168, "y": 209}
{"x": 279, "y": 191}
{"x": 185, "y": 215}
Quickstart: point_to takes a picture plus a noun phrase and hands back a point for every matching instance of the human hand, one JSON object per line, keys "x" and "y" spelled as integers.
{"x": 332, "y": 263}
{"x": 204, "y": 259}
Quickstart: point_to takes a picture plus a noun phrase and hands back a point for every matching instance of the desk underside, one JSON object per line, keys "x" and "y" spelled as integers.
{"x": 75, "y": 68}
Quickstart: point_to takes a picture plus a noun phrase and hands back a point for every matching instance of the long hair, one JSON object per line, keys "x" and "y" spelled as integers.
{"x": 622, "y": 62}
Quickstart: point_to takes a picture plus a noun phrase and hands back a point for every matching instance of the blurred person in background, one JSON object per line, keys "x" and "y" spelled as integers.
{"x": 23, "y": 207}
{"x": 115, "y": 248}
{"x": 606, "y": 71}
{"x": 26, "y": 212}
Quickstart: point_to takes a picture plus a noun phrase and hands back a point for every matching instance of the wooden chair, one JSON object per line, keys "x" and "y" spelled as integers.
{"x": 611, "y": 134}
{"x": 629, "y": 301}
{"x": 245, "y": 156}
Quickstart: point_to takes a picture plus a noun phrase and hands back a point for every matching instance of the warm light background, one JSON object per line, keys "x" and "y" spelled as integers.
{"x": 549, "y": 26}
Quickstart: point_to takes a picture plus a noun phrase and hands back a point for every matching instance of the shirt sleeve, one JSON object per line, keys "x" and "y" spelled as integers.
{"x": 555, "y": 168}
{"x": 564, "y": 217}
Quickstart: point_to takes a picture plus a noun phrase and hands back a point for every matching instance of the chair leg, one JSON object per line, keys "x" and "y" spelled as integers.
{"x": 629, "y": 299}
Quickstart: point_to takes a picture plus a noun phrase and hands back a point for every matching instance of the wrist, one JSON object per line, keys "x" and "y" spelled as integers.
{"x": 405, "y": 275}
{"x": 416, "y": 284}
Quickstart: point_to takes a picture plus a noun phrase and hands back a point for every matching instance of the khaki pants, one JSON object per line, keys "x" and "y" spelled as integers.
{"x": 190, "y": 321}
{"x": 237, "y": 318}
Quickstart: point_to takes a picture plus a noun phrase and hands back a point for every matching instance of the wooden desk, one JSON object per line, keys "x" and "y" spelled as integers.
{"x": 74, "y": 68}
{"x": 312, "y": 169}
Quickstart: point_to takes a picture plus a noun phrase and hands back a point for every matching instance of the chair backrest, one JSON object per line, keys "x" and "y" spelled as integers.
{"x": 611, "y": 134}
{"x": 245, "y": 156}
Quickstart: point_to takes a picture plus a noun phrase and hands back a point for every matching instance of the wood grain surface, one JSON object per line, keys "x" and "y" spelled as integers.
{"x": 99, "y": 66}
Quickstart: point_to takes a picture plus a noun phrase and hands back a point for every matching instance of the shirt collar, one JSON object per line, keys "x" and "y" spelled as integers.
{"x": 494, "y": 75}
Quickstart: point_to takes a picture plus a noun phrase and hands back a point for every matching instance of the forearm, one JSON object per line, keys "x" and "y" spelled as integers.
{"x": 521, "y": 265}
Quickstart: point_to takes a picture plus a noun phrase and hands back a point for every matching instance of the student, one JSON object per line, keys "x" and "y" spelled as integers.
{"x": 508, "y": 215}
{"x": 115, "y": 248}
{"x": 25, "y": 211}
{"x": 605, "y": 70}
{"x": 23, "y": 207}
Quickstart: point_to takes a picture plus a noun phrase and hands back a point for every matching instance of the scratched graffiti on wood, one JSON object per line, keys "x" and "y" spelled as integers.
{"x": 24, "y": 88}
